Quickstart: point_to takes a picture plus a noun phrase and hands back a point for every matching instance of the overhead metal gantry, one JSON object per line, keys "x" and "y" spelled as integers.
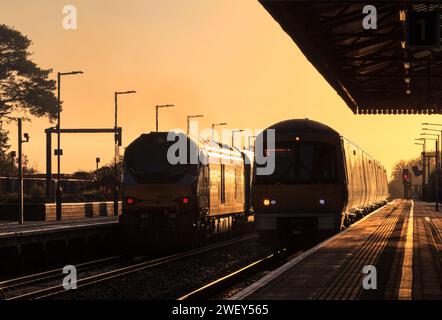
{"x": 374, "y": 71}
{"x": 117, "y": 131}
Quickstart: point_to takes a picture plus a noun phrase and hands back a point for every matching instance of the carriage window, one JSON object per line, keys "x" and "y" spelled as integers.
{"x": 223, "y": 184}
{"x": 303, "y": 163}
{"x": 238, "y": 182}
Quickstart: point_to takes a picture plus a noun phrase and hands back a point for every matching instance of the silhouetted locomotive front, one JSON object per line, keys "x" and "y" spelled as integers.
{"x": 321, "y": 184}
{"x": 169, "y": 205}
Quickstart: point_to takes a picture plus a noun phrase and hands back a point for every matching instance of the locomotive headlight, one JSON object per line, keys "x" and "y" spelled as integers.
{"x": 266, "y": 202}
{"x": 321, "y": 201}
{"x": 273, "y": 202}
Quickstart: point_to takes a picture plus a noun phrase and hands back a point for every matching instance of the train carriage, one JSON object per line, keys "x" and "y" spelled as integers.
{"x": 170, "y": 205}
{"x": 321, "y": 184}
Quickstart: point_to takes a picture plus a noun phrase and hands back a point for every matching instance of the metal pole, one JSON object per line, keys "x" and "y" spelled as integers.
{"x": 58, "y": 194}
{"x": 12, "y": 172}
{"x": 116, "y": 113}
{"x": 116, "y": 189}
{"x": 429, "y": 168}
{"x": 20, "y": 173}
{"x": 188, "y": 125}
{"x": 423, "y": 173}
{"x": 156, "y": 113}
{"x": 48, "y": 164}
{"x": 437, "y": 175}
{"x": 425, "y": 163}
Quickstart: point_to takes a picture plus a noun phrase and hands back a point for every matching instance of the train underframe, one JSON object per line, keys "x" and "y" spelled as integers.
{"x": 298, "y": 231}
{"x": 302, "y": 231}
{"x": 167, "y": 231}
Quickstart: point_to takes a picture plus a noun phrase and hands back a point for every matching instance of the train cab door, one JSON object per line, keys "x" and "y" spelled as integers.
{"x": 204, "y": 189}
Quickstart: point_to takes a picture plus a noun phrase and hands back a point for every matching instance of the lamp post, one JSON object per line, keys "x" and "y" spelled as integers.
{"x": 116, "y": 155}
{"x": 192, "y": 117}
{"x": 436, "y": 165}
{"x": 438, "y": 131}
{"x": 217, "y": 125}
{"x": 423, "y": 164}
{"x": 160, "y": 107}
{"x": 97, "y": 162}
{"x": 251, "y": 137}
{"x": 59, "y": 191}
{"x": 423, "y": 158}
{"x": 22, "y": 138}
{"x": 233, "y": 136}
{"x": 13, "y": 155}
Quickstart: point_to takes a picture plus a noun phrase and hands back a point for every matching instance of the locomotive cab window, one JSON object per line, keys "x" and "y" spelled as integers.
{"x": 303, "y": 163}
{"x": 146, "y": 160}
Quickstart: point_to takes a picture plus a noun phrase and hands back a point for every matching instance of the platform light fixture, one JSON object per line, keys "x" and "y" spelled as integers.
{"x": 402, "y": 15}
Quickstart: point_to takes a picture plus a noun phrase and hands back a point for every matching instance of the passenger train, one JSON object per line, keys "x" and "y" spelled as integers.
{"x": 321, "y": 184}
{"x": 169, "y": 205}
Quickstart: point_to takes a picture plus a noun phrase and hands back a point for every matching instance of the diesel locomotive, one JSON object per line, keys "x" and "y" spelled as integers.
{"x": 321, "y": 184}
{"x": 166, "y": 205}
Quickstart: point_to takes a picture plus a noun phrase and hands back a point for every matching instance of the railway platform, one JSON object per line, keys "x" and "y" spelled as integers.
{"x": 46, "y": 243}
{"x": 395, "y": 253}
{"x": 12, "y": 233}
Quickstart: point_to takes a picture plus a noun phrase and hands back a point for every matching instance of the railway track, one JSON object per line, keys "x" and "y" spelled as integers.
{"x": 46, "y": 284}
{"x": 223, "y": 284}
{"x": 232, "y": 279}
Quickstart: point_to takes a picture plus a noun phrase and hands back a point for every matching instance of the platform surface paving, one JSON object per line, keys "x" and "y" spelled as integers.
{"x": 13, "y": 229}
{"x": 401, "y": 240}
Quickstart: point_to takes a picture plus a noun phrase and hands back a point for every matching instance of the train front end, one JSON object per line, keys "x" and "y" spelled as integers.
{"x": 302, "y": 200}
{"x": 159, "y": 198}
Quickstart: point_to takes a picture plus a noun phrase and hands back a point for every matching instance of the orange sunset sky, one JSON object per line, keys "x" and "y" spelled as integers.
{"x": 226, "y": 59}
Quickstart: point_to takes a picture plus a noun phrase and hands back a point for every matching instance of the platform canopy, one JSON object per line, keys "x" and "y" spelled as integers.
{"x": 375, "y": 71}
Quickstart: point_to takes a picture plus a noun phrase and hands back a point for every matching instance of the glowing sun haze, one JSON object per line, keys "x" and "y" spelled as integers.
{"x": 226, "y": 59}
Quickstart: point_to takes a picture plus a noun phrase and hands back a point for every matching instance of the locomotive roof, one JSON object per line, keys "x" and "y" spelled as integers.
{"x": 302, "y": 125}
{"x": 307, "y": 125}
{"x": 207, "y": 146}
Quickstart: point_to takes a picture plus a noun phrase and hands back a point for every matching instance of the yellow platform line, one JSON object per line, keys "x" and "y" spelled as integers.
{"x": 406, "y": 286}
